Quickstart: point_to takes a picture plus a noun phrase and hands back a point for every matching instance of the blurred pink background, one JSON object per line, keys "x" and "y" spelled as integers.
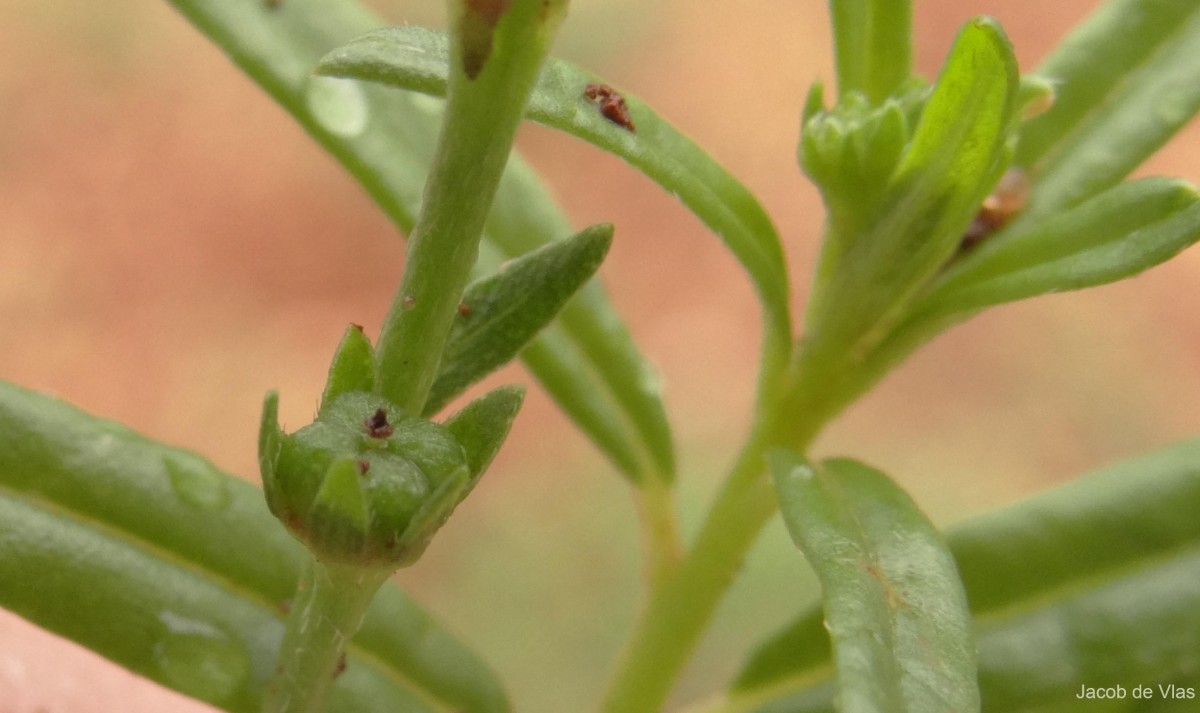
{"x": 173, "y": 246}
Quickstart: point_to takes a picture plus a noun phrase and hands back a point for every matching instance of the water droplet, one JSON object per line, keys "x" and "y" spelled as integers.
{"x": 198, "y": 659}
{"x": 650, "y": 380}
{"x": 339, "y": 105}
{"x": 1174, "y": 108}
{"x": 428, "y": 105}
{"x": 196, "y": 482}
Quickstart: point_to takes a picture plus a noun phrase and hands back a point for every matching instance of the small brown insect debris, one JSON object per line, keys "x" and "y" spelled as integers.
{"x": 610, "y": 103}
{"x": 272, "y": 3}
{"x": 363, "y": 466}
{"x": 341, "y": 666}
{"x": 463, "y": 309}
{"x": 377, "y": 425}
{"x": 997, "y": 209}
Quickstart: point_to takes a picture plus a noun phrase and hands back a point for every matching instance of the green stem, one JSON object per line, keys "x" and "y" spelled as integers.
{"x": 873, "y": 45}
{"x": 682, "y": 603}
{"x": 327, "y": 611}
{"x": 481, "y": 119}
{"x": 660, "y": 529}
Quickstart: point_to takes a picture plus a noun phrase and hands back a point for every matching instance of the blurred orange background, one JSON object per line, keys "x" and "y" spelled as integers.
{"x": 173, "y": 246}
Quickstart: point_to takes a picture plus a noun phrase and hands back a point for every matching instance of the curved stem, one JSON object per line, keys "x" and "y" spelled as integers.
{"x": 683, "y": 601}
{"x": 660, "y": 530}
{"x": 328, "y": 609}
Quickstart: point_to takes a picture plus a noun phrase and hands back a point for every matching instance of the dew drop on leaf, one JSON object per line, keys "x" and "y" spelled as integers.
{"x": 196, "y": 482}
{"x": 338, "y": 105}
{"x": 198, "y": 659}
{"x": 1174, "y": 108}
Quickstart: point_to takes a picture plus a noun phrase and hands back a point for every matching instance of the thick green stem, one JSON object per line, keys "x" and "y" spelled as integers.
{"x": 481, "y": 119}
{"x": 327, "y": 611}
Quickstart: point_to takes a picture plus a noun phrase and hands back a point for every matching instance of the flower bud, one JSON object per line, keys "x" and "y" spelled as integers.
{"x": 364, "y": 483}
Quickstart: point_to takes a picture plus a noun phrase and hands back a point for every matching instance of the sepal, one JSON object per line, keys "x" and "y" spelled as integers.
{"x": 364, "y": 484}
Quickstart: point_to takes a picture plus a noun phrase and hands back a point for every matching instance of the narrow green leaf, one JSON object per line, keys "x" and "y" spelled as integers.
{"x": 352, "y": 368}
{"x": 1114, "y": 235}
{"x": 562, "y": 368}
{"x": 1127, "y": 80}
{"x": 415, "y": 58}
{"x": 501, "y": 313}
{"x": 872, "y": 42}
{"x": 270, "y": 441}
{"x": 387, "y": 145}
{"x": 894, "y": 605}
{"x": 1089, "y": 584}
{"x": 155, "y": 559}
{"x": 591, "y": 336}
{"x": 481, "y": 427}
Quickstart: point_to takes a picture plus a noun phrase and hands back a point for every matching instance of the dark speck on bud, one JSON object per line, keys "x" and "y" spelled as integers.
{"x": 363, "y": 466}
{"x": 377, "y": 425}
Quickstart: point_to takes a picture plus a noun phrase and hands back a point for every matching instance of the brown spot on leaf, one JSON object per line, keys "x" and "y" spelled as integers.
{"x": 610, "y": 103}
{"x": 998, "y": 209}
{"x": 477, "y": 27}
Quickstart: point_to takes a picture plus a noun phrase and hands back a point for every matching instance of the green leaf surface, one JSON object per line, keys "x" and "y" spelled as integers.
{"x": 1114, "y": 235}
{"x": 1127, "y": 80}
{"x": 158, "y": 561}
{"x": 481, "y": 427}
{"x": 590, "y": 338}
{"x": 415, "y": 58}
{"x": 352, "y": 368}
{"x": 385, "y": 139}
{"x": 894, "y": 606}
{"x": 501, "y": 313}
{"x": 562, "y": 367}
{"x": 1090, "y": 584}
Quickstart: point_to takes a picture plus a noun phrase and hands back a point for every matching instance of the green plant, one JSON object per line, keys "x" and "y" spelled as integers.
{"x": 186, "y": 578}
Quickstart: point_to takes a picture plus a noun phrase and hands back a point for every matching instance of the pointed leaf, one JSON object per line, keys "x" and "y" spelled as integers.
{"x": 340, "y": 519}
{"x": 270, "y": 441}
{"x": 1091, "y": 583}
{"x": 155, "y": 559}
{"x": 1127, "y": 80}
{"x": 481, "y": 427}
{"x": 415, "y": 58}
{"x": 352, "y": 368}
{"x": 894, "y": 606}
{"x": 501, "y": 313}
{"x": 385, "y": 139}
{"x": 1118, "y": 233}
{"x": 591, "y": 339}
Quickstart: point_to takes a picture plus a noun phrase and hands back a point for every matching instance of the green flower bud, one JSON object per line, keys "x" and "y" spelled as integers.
{"x": 364, "y": 483}
{"x": 852, "y": 150}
